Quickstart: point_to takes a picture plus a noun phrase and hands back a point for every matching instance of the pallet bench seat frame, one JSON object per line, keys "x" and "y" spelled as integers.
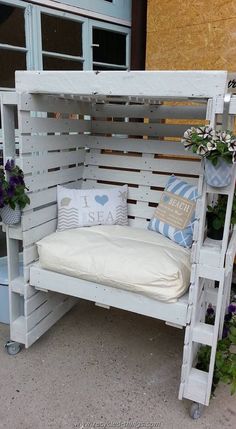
{"x": 101, "y": 129}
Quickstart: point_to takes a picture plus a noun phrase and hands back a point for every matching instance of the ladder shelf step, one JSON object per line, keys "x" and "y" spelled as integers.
{"x": 203, "y": 333}
{"x": 196, "y": 387}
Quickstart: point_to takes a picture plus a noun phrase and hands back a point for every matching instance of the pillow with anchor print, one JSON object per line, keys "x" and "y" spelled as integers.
{"x": 175, "y": 215}
{"x": 87, "y": 207}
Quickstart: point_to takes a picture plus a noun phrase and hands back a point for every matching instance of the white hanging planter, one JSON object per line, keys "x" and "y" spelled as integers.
{"x": 218, "y": 175}
{"x": 10, "y": 216}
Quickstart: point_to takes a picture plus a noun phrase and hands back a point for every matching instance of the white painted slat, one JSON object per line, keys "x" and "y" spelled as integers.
{"x": 45, "y": 161}
{"x": 141, "y": 210}
{"x": 35, "y": 301}
{"x": 138, "y": 223}
{"x": 142, "y": 193}
{"x": 38, "y": 217}
{"x": 42, "y": 181}
{"x": 30, "y": 254}
{"x": 135, "y": 83}
{"x": 38, "y": 143}
{"x": 149, "y": 111}
{"x": 47, "y": 103}
{"x": 139, "y": 128}
{"x": 46, "y": 196}
{"x": 51, "y": 125}
{"x": 146, "y": 164}
{"x": 43, "y": 310}
{"x": 141, "y": 178}
{"x": 162, "y": 147}
{"x": 45, "y": 324}
{"x": 35, "y": 234}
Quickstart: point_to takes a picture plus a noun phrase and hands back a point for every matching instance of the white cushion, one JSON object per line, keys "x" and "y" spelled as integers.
{"x": 87, "y": 207}
{"x": 120, "y": 256}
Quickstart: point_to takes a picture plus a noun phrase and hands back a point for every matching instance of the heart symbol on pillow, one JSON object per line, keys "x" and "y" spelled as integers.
{"x": 101, "y": 199}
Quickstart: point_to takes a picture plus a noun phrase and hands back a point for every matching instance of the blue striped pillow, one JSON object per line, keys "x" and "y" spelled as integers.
{"x": 175, "y": 215}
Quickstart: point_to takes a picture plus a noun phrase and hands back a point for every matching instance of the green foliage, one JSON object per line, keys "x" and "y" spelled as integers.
{"x": 225, "y": 362}
{"x": 219, "y": 210}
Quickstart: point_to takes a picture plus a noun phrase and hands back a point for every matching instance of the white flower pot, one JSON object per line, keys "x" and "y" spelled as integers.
{"x": 10, "y": 216}
{"x": 218, "y": 175}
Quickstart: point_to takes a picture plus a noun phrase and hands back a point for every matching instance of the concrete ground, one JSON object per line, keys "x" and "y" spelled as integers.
{"x": 102, "y": 368}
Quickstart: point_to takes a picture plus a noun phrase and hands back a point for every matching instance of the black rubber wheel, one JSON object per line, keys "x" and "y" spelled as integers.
{"x": 12, "y": 348}
{"x": 196, "y": 410}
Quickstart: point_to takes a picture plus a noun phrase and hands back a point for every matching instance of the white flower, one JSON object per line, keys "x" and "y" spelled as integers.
{"x": 202, "y": 150}
{"x": 232, "y": 146}
{"x": 205, "y": 132}
{"x": 224, "y": 137}
{"x": 211, "y": 146}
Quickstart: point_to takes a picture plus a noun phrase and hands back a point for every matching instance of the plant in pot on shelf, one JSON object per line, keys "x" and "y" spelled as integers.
{"x": 13, "y": 197}
{"x": 218, "y": 148}
{"x": 216, "y": 217}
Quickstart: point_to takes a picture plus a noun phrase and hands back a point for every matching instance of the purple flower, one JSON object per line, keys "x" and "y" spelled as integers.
{"x": 225, "y": 332}
{"x": 9, "y": 165}
{"x": 210, "y": 311}
{"x": 10, "y": 191}
{"x": 232, "y": 308}
{"x": 13, "y": 181}
{"x": 228, "y": 317}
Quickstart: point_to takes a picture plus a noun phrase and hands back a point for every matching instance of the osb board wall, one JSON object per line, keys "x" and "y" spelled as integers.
{"x": 183, "y": 35}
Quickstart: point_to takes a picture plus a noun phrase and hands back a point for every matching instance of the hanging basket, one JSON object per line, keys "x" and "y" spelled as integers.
{"x": 218, "y": 175}
{"x": 10, "y": 216}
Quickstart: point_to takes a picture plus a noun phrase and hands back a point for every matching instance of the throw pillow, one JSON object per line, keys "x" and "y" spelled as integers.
{"x": 87, "y": 207}
{"x": 175, "y": 215}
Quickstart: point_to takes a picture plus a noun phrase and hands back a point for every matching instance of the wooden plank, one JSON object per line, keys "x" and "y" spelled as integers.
{"x": 43, "y": 310}
{"x": 45, "y": 161}
{"x": 139, "y": 128}
{"x": 45, "y": 324}
{"x": 30, "y": 144}
{"x": 33, "y": 235}
{"x": 115, "y": 297}
{"x": 30, "y": 254}
{"x": 35, "y": 301}
{"x": 33, "y": 218}
{"x": 47, "y": 196}
{"x": 147, "y": 178}
{"x": 202, "y": 84}
{"x": 42, "y": 181}
{"x": 142, "y": 193}
{"x": 47, "y": 103}
{"x": 30, "y": 125}
{"x": 150, "y": 111}
{"x": 162, "y": 147}
{"x": 143, "y": 163}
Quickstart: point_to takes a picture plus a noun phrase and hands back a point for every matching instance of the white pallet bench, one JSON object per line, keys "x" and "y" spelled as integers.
{"x": 104, "y": 129}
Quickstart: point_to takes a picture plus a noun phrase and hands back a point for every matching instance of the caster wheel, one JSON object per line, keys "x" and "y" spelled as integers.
{"x": 12, "y": 347}
{"x": 196, "y": 410}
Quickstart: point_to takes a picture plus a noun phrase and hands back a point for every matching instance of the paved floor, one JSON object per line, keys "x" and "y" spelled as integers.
{"x": 100, "y": 368}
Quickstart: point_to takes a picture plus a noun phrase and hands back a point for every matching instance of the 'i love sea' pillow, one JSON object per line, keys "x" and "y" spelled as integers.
{"x": 175, "y": 215}
{"x": 87, "y": 207}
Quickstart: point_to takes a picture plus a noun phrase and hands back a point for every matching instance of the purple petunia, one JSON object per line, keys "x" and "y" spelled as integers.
{"x": 13, "y": 181}
{"x": 232, "y": 308}
{"x": 210, "y": 311}
{"x": 10, "y": 164}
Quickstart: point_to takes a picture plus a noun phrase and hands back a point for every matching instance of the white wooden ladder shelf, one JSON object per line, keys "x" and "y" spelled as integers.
{"x": 113, "y": 128}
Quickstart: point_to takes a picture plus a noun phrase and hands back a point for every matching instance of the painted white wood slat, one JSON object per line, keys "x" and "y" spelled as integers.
{"x": 46, "y": 161}
{"x": 52, "y": 125}
{"x": 147, "y": 178}
{"x": 135, "y": 83}
{"x": 38, "y": 217}
{"x": 37, "y": 143}
{"x": 146, "y": 164}
{"x": 47, "y": 103}
{"x": 150, "y": 111}
{"x": 42, "y": 181}
{"x": 139, "y": 128}
{"x": 162, "y": 147}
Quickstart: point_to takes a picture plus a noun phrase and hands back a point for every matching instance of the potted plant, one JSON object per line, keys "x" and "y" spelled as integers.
{"x": 13, "y": 197}
{"x": 216, "y": 217}
{"x": 218, "y": 148}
